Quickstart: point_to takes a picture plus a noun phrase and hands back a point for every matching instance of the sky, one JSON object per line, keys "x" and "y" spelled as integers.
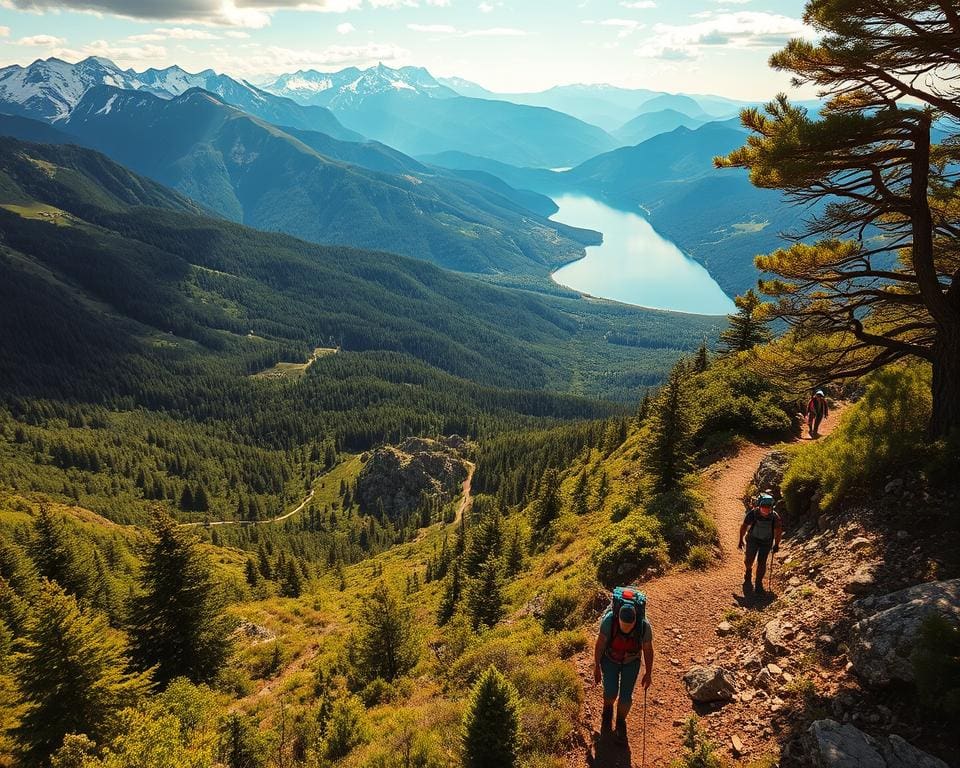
{"x": 691, "y": 46}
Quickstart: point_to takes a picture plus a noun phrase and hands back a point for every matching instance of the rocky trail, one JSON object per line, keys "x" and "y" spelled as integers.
{"x": 685, "y": 608}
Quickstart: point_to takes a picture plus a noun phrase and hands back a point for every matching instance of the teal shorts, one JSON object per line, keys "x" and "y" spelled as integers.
{"x": 619, "y": 680}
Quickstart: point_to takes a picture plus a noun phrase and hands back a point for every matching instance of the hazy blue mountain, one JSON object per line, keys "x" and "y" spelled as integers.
{"x": 675, "y": 101}
{"x": 255, "y": 173}
{"x": 538, "y": 179}
{"x": 27, "y": 129}
{"x": 648, "y": 125}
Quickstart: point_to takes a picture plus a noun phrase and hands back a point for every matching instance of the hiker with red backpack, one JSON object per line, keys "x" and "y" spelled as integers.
{"x": 625, "y": 635}
{"x": 763, "y": 528}
{"x": 817, "y": 411}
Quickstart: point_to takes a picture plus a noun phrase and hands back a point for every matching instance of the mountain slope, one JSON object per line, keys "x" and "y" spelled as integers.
{"x": 646, "y": 126}
{"x": 257, "y": 174}
{"x": 138, "y": 262}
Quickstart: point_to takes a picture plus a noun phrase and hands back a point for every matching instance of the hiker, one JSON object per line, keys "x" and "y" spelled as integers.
{"x": 763, "y": 528}
{"x": 624, "y": 634}
{"x": 816, "y": 412}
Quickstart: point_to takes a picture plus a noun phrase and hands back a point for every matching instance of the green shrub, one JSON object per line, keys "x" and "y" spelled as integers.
{"x": 377, "y": 691}
{"x": 884, "y": 431}
{"x": 732, "y": 399}
{"x": 570, "y": 643}
{"x": 554, "y": 683}
{"x": 684, "y": 522}
{"x": 936, "y": 667}
{"x": 559, "y": 610}
{"x": 347, "y": 728}
{"x": 499, "y": 652}
{"x": 630, "y": 546}
{"x": 700, "y": 752}
{"x": 700, "y": 557}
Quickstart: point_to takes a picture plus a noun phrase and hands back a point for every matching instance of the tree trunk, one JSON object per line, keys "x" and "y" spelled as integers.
{"x": 946, "y": 382}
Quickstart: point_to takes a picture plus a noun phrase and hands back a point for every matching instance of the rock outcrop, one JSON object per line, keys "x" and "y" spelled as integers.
{"x": 882, "y": 641}
{"x": 833, "y": 745}
{"x": 771, "y": 470}
{"x": 708, "y": 684}
{"x": 398, "y": 476}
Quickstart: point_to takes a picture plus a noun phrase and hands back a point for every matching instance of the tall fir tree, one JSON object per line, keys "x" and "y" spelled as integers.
{"x": 177, "y": 622}
{"x": 72, "y": 674}
{"x": 581, "y": 494}
{"x": 58, "y": 555}
{"x": 667, "y": 448}
{"x": 387, "y": 645}
{"x": 746, "y": 328}
{"x": 452, "y": 592}
{"x": 485, "y": 596}
{"x": 491, "y": 724}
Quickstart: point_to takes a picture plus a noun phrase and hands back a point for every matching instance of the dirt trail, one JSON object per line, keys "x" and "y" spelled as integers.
{"x": 684, "y": 609}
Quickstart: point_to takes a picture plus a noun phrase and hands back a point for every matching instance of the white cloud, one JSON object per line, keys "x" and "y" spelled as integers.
{"x": 739, "y": 29}
{"x": 258, "y": 59}
{"x": 485, "y": 8}
{"x": 4, "y": 31}
{"x": 173, "y": 33}
{"x": 442, "y": 29}
{"x": 254, "y": 14}
{"x": 123, "y": 55}
{"x": 638, "y": 4}
{"x": 41, "y": 41}
{"x": 495, "y": 32}
{"x": 345, "y": 29}
{"x": 236, "y": 34}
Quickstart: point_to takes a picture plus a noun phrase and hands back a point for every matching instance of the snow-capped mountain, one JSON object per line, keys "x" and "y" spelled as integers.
{"x": 49, "y": 89}
{"x": 347, "y": 89}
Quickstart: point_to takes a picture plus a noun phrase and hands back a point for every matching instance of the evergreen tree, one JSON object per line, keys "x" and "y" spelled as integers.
{"x": 581, "y": 494}
{"x": 451, "y": 595}
{"x": 241, "y": 745}
{"x": 643, "y": 410}
{"x": 251, "y": 572}
{"x": 485, "y": 596}
{"x": 667, "y": 447}
{"x": 291, "y": 584}
{"x": 71, "y": 673}
{"x": 264, "y": 563}
{"x": 57, "y": 555}
{"x": 386, "y": 646}
{"x": 514, "y": 556}
{"x": 491, "y": 724}
{"x": 546, "y": 507}
{"x": 702, "y": 360}
{"x": 178, "y": 623}
{"x": 16, "y": 568}
{"x": 746, "y": 328}
{"x": 486, "y": 541}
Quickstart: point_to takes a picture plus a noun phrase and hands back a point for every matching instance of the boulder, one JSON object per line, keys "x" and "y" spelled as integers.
{"x": 881, "y": 642}
{"x": 724, "y": 628}
{"x": 708, "y": 684}
{"x": 833, "y": 745}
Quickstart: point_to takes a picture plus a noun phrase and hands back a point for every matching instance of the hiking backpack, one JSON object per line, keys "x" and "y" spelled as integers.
{"x": 636, "y": 598}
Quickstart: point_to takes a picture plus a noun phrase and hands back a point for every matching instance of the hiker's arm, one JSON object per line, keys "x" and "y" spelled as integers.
{"x": 777, "y": 533}
{"x": 648, "y": 664}
{"x": 743, "y": 531}
{"x": 598, "y": 650}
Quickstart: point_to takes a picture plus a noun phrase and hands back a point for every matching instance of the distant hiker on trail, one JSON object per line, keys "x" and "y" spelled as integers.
{"x": 624, "y": 634}
{"x": 763, "y": 528}
{"x": 816, "y": 412}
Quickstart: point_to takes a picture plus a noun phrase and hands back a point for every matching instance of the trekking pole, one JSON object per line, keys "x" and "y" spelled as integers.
{"x": 643, "y": 754}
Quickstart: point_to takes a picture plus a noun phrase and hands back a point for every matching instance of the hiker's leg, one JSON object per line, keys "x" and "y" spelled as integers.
{"x": 816, "y": 424}
{"x": 748, "y": 558}
{"x": 762, "y": 553}
{"x": 610, "y": 672}
{"x": 628, "y": 681}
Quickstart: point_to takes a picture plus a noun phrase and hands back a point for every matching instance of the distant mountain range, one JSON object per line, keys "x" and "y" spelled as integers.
{"x": 318, "y": 188}
{"x": 50, "y": 89}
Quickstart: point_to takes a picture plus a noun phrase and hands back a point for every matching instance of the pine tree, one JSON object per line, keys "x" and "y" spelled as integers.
{"x": 667, "y": 451}
{"x": 251, "y": 572}
{"x": 291, "y": 584}
{"x": 581, "y": 494}
{"x": 491, "y": 724}
{"x": 514, "y": 556}
{"x": 451, "y": 595}
{"x": 386, "y": 646}
{"x": 486, "y": 541}
{"x": 546, "y": 508}
{"x": 178, "y": 623}
{"x": 71, "y": 673}
{"x": 485, "y": 596}
{"x": 643, "y": 410}
{"x": 702, "y": 361}
{"x": 746, "y": 328}
{"x": 241, "y": 745}
{"x": 57, "y": 555}
{"x": 263, "y": 563}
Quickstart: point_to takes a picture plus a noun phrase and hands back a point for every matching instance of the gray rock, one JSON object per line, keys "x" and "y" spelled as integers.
{"x": 771, "y": 470}
{"x": 881, "y": 643}
{"x": 859, "y": 543}
{"x": 823, "y": 523}
{"x": 775, "y": 637}
{"x": 707, "y": 684}
{"x": 862, "y": 580}
{"x": 833, "y": 745}
{"x": 894, "y": 485}
{"x": 724, "y": 628}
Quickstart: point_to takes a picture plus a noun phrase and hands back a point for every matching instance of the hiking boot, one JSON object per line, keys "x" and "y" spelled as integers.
{"x": 621, "y": 729}
{"x": 760, "y": 590}
{"x": 606, "y": 720}
{"x": 747, "y": 583}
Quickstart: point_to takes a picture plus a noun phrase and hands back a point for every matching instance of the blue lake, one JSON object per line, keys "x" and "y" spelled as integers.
{"x": 634, "y": 264}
